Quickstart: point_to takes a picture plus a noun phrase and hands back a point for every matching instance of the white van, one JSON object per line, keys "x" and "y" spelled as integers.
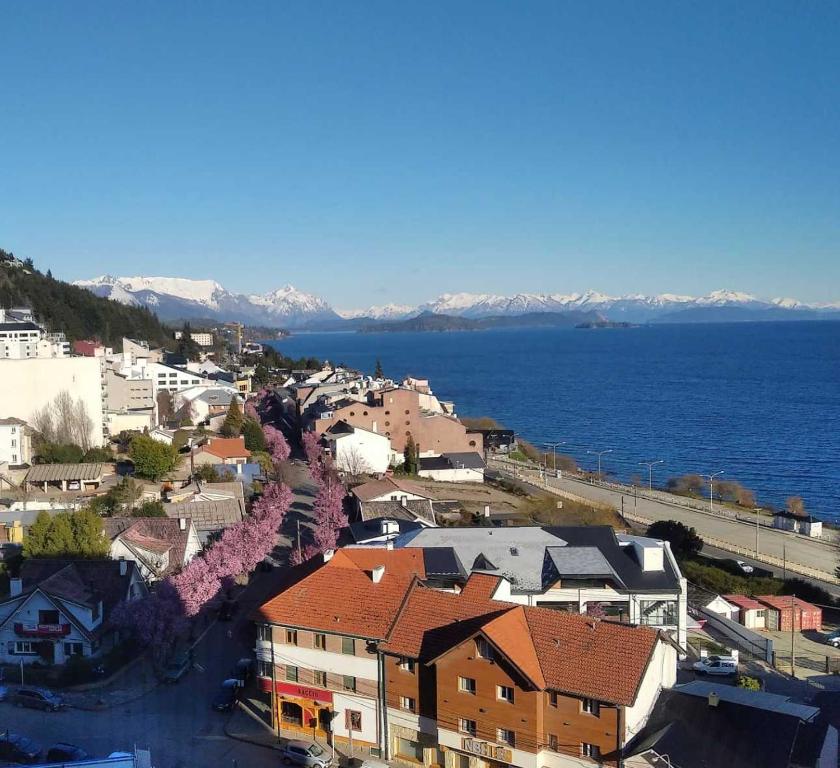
{"x": 716, "y": 665}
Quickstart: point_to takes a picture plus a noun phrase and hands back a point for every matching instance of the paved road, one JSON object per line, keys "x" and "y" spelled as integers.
{"x": 176, "y": 721}
{"x": 795, "y": 549}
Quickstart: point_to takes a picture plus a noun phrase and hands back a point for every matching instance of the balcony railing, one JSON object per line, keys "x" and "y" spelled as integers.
{"x": 41, "y": 630}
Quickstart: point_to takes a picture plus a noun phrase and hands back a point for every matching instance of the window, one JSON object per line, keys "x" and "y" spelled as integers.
{"x": 73, "y": 649}
{"x": 761, "y": 613}
{"x": 320, "y": 678}
{"x": 353, "y": 720}
{"x": 407, "y": 665}
{"x": 553, "y": 742}
{"x": 408, "y": 704}
{"x": 25, "y": 647}
{"x": 48, "y": 617}
{"x": 504, "y": 693}
{"x": 590, "y": 750}
{"x": 349, "y": 683}
{"x": 466, "y": 726}
{"x": 504, "y": 736}
{"x": 658, "y": 613}
{"x": 410, "y": 749}
{"x": 348, "y": 646}
{"x": 320, "y": 641}
{"x": 291, "y": 673}
{"x": 466, "y": 685}
{"x": 591, "y": 707}
{"x": 264, "y": 632}
{"x": 291, "y": 636}
{"x": 552, "y": 699}
{"x": 263, "y": 669}
{"x": 483, "y": 649}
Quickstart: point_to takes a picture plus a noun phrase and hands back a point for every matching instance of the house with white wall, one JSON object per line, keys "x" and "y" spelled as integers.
{"x": 358, "y": 451}
{"x": 15, "y": 441}
{"x": 159, "y": 546}
{"x": 453, "y": 467}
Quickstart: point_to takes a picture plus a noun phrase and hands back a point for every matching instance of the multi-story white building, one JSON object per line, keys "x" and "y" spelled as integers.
{"x": 21, "y": 337}
{"x": 202, "y": 338}
{"x": 15, "y": 441}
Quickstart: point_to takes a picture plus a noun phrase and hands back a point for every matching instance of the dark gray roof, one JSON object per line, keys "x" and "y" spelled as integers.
{"x": 693, "y": 734}
{"x": 441, "y": 562}
{"x": 581, "y": 562}
{"x": 19, "y": 327}
{"x": 468, "y": 460}
{"x": 365, "y": 530}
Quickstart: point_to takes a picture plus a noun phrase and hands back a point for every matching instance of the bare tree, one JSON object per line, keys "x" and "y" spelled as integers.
{"x": 64, "y": 420}
{"x": 353, "y": 462}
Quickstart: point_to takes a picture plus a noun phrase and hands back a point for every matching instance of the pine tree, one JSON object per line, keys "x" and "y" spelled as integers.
{"x": 253, "y": 434}
{"x": 378, "y": 374}
{"x": 35, "y": 541}
{"x": 232, "y": 425}
{"x": 410, "y": 456}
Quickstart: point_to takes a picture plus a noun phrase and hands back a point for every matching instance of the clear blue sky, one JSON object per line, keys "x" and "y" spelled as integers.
{"x": 379, "y": 151}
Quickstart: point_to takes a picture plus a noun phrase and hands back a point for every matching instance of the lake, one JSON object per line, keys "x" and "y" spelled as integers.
{"x": 760, "y": 401}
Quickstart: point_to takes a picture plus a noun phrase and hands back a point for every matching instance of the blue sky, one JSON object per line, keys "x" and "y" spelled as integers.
{"x": 382, "y": 151}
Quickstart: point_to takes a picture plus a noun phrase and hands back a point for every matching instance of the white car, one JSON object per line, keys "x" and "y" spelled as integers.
{"x": 716, "y": 665}
{"x": 745, "y": 567}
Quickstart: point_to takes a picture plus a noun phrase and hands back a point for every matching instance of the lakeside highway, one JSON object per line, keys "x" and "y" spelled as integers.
{"x": 804, "y": 557}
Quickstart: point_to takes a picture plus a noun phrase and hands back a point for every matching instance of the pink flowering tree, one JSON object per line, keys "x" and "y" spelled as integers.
{"x": 156, "y": 620}
{"x": 307, "y": 553}
{"x": 312, "y": 450}
{"x": 276, "y": 443}
{"x": 196, "y": 585}
{"x": 329, "y": 510}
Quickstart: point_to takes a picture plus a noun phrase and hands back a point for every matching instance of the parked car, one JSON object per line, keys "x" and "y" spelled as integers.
{"x": 745, "y": 567}
{"x": 66, "y": 753}
{"x": 177, "y": 667}
{"x": 227, "y": 610}
{"x": 833, "y": 639}
{"x": 242, "y": 670}
{"x": 19, "y": 749}
{"x": 37, "y": 698}
{"x": 305, "y": 753}
{"x": 716, "y": 665}
{"x": 226, "y": 697}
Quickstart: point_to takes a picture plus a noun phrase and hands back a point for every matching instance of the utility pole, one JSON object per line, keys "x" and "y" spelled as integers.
{"x": 757, "y": 511}
{"x": 792, "y": 634}
{"x": 599, "y": 454}
{"x": 553, "y": 447}
{"x": 300, "y": 554}
{"x": 711, "y": 489}
{"x": 650, "y": 465}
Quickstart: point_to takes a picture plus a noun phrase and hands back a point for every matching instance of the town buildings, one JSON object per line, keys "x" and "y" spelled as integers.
{"x": 21, "y": 337}
{"x": 202, "y": 338}
{"x": 158, "y": 546}
{"x": 358, "y": 451}
{"x": 361, "y": 646}
{"x": 221, "y": 450}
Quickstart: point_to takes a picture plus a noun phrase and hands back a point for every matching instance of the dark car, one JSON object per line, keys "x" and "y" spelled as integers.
{"x": 227, "y": 610}
{"x": 242, "y": 670}
{"x": 37, "y": 698}
{"x": 226, "y": 697}
{"x": 18, "y": 749}
{"x": 66, "y": 753}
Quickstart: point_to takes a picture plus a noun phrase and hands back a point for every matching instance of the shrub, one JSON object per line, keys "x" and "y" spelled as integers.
{"x": 750, "y": 683}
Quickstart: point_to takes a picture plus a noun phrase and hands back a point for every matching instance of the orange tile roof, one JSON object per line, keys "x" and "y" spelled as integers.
{"x": 511, "y": 634}
{"x": 431, "y": 622}
{"x": 591, "y": 658}
{"x": 480, "y": 585}
{"x": 341, "y": 597}
{"x": 227, "y": 447}
{"x": 406, "y": 562}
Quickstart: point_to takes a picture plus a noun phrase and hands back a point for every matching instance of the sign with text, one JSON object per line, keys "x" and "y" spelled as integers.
{"x": 304, "y": 692}
{"x": 486, "y": 749}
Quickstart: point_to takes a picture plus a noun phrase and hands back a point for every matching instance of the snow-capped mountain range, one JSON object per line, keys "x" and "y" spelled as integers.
{"x": 174, "y": 298}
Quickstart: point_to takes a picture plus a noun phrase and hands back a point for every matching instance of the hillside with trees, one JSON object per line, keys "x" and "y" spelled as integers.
{"x": 76, "y": 311}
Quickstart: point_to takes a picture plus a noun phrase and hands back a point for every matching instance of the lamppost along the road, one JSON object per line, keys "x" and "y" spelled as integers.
{"x": 650, "y": 465}
{"x": 599, "y": 454}
{"x": 711, "y": 486}
{"x": 553, "y": 447}
{"x": 757, "y": 513}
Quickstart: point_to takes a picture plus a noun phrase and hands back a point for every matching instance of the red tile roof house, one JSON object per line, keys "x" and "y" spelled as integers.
{"x": 427, "y": 677}
{"x": 222, "y": 450}
{"x": 784, "y": 611}
{"x": 751, "y": 613}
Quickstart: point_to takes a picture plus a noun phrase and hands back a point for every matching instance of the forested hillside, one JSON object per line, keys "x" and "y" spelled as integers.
{"x": 64, "y": 307}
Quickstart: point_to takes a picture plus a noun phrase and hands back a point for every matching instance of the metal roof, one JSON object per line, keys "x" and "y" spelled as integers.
{"x": 52, "y": 473}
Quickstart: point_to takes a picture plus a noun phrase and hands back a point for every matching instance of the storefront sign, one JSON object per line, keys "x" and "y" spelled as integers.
{"x": 303, "y": 692}
{"x": 486, "y": 749}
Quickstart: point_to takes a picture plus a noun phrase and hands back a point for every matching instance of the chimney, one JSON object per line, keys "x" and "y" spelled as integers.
{"x": 15, "y": 587}
{"x": 487, "y": 510}
{"x": 377, "y": 573}
{"x": 123, "y": 567}
{"x": 328, "y": 555}
{"x": 182, "y": 523}
{"x": 714, "y": 699}
{"x": 389, "y": 544}
{"x": 403, "y": 501}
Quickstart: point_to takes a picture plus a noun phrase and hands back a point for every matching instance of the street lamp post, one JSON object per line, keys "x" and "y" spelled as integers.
{"x": 711, "y": 486}
{"x": 650, "y": 465}
{"x": 553, "y": 447}
{"x": 599, "y": 454}
{"x": 757, "y": 512}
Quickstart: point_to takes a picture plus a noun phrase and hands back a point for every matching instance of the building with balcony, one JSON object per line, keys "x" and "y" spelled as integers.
{"x": 61, "y": 608}
{"x": 364, "y": 647}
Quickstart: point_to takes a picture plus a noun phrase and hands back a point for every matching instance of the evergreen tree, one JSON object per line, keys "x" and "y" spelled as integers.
{"x": 232, "y": 425}
{"x": 88, "y": 540}
{"x": 378, "y": 374}
{"x": 149, "y": 509}
{"x": 35, "y": 542}
{"x": 253, "y": 434}
{"x": 410, "y": 456}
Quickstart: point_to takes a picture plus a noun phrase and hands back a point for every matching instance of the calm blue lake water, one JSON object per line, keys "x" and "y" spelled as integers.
{"x": 760, "y": 401}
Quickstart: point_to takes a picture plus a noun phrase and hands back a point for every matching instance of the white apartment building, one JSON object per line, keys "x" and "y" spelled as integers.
{"x": 201, "y": 338}
{"x": 165, "y": 377}
{"x": 22, "y": 338}
{"x": 15, "y": 441}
